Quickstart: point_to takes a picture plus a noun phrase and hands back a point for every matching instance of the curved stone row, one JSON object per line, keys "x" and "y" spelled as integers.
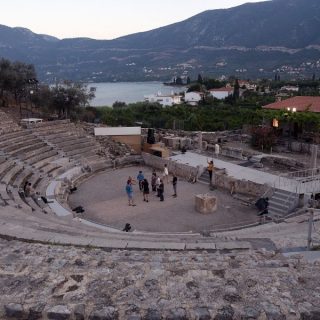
{"x": 39, "y": 155}
{"x": 54, "y": 282}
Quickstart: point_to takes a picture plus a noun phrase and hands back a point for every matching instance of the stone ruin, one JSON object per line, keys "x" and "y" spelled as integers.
{"x": 53, "y": 268}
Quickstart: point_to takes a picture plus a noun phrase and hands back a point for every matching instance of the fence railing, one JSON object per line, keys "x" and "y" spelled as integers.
{"x": 303, "y": 181}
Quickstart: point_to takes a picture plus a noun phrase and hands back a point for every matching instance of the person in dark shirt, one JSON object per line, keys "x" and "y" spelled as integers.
{"x": 262, "y": 205}
{"x": 174, "y": 185}
{"x": 145, "y": 188}
{"x": 153, "y": 182}
{"x": 161, "y": 190}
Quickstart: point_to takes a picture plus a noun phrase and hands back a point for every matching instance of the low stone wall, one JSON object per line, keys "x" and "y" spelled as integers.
{"x": 235, "y": 153}
{"x": 62, "y": 282}
{"x": 222, "y": 180}
{"x": 296, "y": 146}
{"x": 127, "y": 160}
{"x": 232, "y": 153}
{"x": 181, "y": 170}
{"x": 284, "y": 163}
{"x": 222, "y": 135}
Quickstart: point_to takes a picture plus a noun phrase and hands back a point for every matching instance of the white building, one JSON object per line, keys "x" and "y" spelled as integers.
{"x": 221, "y": 93}
{"x": 247, "y": 85}
{"x": 165, "y": 100}
{"x": 290, "y": 88}
{"x": 193, "y": 98}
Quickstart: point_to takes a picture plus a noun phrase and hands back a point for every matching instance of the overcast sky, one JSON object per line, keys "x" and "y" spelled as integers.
{"x": 102, "y": 19}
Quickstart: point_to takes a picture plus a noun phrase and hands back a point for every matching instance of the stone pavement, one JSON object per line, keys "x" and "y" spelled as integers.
{"x": 41, "y": 228}
{"x": 237, "y": 171}
{"x": 292, "y": 233}
{"x": 58, "y": 282}
{"x": 104, "y": 200}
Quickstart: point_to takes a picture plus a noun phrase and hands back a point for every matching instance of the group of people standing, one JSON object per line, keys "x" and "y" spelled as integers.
{"x": 157, "y": 185}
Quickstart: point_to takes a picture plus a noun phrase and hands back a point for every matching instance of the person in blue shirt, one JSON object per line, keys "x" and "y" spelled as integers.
{"x": 129, "y": 192}
{"x": 140, "y": 178}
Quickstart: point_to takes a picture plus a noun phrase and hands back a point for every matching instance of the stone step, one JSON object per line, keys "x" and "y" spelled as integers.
{"x": 278, "y": 206}
{"x": 282, "y": 202}
{"x": 283, "y": 192}
{"x": 11, "y": 174}
{"x": 30, "y": 154}
{"x": 283, "y": 198}
{"x": 73, "y": 235}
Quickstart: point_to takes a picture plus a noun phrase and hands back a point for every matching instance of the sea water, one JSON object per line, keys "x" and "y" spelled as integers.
{"x": 129, "y": 92}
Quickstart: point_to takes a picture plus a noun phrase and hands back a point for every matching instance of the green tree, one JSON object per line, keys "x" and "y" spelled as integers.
{"x": 178, "y": 81}
{"x": 66, "y": 98}
{"x": 119, "y": 105}
{"x": 263, "y": 137}
{"x": 236, "y": 90}
{"x": 16, "y": 80}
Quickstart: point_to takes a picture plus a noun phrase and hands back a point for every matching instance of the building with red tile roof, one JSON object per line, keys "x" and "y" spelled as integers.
{"x": 221, "y": 93}
{"x": 298, "y": 103}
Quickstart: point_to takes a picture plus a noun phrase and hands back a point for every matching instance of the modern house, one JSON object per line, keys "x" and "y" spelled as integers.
{"x": 193, "y": 97}
{"x": 247, "y": 85}
{"x": 297, "y": 104}
{"x": 221, "y": 93}
{"x": 164, "y": 100}
{"x": 290, "y": 127}
{"x": 289, "y": 89}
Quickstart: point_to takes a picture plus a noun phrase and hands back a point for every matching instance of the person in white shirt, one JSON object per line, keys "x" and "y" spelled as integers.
{"x": 158, "y": 181}
{"x": 216, "y": 150}
{"x": 165, "y": 173}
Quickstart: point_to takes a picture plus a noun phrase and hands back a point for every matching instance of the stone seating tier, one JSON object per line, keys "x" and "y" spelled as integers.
{"x": 19, "y": 200}
{"x": 5, "y": 196}
{"x": 5, "y": 167}
{"x": 16, "y": 140}
{"x": 35, "y": 179}
{"x": 78, "y": 145}
{"x": 69, "y": 142}
{"x": 82, "y": 152}
{"x": 50, "y": 168}
{"x": 17, "y": 133}
{"x": 42, "y": 157}
{"x": 10, "y": 175}
{"x": 21, "y": 178}
{"x": 92, "y": 158}
{"x": 6, "y": 140}
{"x": 64, "y": 138}
{"x": 45, "y": 125}
{"x": 10, "y": 145}
{"x": 30, "y": 154}
{"x": 53, "y": 134}
{"x": 53, "y": 129}
{"x": 87, "y": 157}
{"x": 67, "y": 127}
{"x": 43, "y": 162}
{"x": 22, "y": 148}
{"x": 3, "y": 159}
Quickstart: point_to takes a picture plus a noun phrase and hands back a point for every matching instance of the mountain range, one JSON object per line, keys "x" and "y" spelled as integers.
{"x": 254, "y": 40}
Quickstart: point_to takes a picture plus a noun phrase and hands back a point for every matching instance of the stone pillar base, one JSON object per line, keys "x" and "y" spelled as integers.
{"x": 205, "y": 203}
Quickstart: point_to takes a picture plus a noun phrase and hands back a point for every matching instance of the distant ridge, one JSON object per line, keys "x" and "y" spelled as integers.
{"x": 251, "y": 40}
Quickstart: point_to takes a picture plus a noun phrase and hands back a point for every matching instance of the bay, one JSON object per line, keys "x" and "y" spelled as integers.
{"x": 129, "y": 92}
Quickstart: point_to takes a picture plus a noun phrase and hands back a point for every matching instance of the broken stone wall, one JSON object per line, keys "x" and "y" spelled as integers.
{"x": 181, "y": 170}
{"x": 222, "y": 180}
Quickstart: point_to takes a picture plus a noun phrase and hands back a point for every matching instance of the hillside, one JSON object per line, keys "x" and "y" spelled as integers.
{"x": 251, "y": 40}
